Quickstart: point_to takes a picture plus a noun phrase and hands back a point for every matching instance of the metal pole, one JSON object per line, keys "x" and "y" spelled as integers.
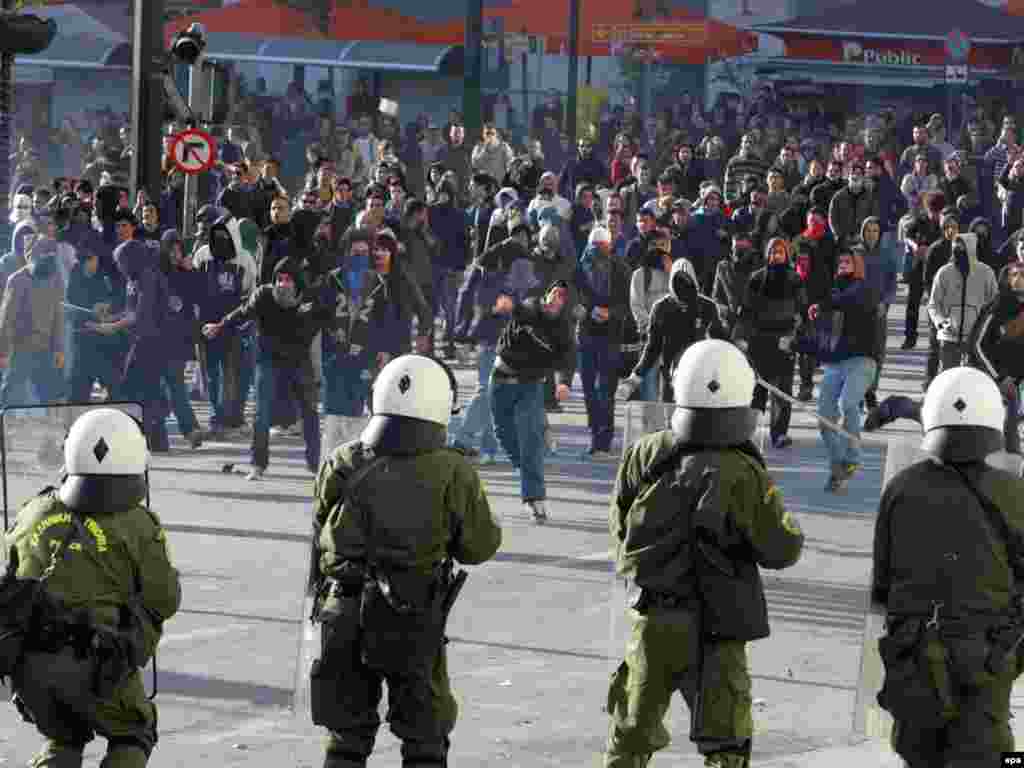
{"x": 574, "y": 72}
{"x": 137, "y": 97}
{"x": 474, "y": 64}
{"x": 196, "y": 93}
{"x": 6, "y": 113}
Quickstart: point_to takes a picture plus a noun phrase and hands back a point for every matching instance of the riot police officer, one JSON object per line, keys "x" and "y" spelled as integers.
{"x": 952, "y": 596}
{"x": 102, "y": 557}
{"x": 700, "y": 487}
{"x": 394, "y": 510}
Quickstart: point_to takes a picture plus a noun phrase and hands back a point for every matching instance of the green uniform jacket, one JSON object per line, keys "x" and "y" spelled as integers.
{"x": 125, "y": 555}
{"x": 424, "y": 508}
{"x": 650, "y": 526}
{"x": 933, "y": 541}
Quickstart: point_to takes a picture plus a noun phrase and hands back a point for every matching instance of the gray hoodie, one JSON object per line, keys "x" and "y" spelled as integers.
{"x": 954, "y": 310}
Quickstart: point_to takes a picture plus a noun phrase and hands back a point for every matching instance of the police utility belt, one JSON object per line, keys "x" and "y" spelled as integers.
{"x": 402, "y": 614}
{"x": 928, "y": 659}
{"x": 33, "y": 621}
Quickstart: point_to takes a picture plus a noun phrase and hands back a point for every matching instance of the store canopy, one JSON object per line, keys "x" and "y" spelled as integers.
{"x": 358, "y": 54}
{"x": 908, "y": 21}
{"x": 606, "y": 23}
{"x": 793, "y": 71}
{"x": 82, "y": 41}
{"x": 249, "y": 17}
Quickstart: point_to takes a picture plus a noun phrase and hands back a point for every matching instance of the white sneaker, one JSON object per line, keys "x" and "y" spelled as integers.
{"x": 256, "y": 473}
{"x": 538, "y": 509}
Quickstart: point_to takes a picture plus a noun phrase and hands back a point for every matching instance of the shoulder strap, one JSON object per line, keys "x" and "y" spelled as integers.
{"x": 354, "y": 482}
{"x": 997, "y": 521}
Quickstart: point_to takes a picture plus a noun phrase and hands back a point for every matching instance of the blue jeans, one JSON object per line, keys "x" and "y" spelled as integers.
{"x": 246, "y": 371}
{"x": 36, "y": 368}
{"x": 445, "y": 292}
{"x": 477, "y": 419}
{"x": 843, "y": 385}
{"x": 273, "y": 379}
{"x": 217, "y": 352}
{"x": 649, "y": 386}
{"x": 174, "y": 382}
{"x": 518, "y": 411}
{"x": 346, "y": 383}
{"x": 599, "y": 372}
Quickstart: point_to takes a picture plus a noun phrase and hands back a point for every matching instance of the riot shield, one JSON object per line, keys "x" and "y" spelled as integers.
{"x": 32, "y": 447}
{"x": 870, "y": 720}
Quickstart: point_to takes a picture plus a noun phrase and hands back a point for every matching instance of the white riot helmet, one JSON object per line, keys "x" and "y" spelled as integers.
{"x": 713, "y": 385}
{"x": 962, "y": 416}
{"x": 412, "y": 401}
{"x": 105, "y": 458}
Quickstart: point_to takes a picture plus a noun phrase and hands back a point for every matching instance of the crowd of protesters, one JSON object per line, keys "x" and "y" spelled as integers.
{"x": 782, "y": 230}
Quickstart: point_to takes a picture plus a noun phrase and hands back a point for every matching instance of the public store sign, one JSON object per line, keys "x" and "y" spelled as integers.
{"x": 893, "y": 53}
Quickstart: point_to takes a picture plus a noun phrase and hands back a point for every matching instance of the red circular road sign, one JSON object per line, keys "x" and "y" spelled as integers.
{"x": 194, "y": 151}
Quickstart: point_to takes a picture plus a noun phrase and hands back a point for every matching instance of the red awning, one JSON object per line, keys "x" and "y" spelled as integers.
{"x": 360, "y": 21}
{"x": 682, "y": 37}
{"x": 258, "y": 18}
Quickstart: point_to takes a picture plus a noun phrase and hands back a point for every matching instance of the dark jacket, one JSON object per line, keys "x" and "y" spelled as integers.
{"x": 448, "y": 224}
{"x": 276, "y": 248}
{"x": 913, "y": 571}
{"x": 285, "y": 333}
{"x": 997, "y": 336}
{"x": 185, "y": 291}
{"x": 678, "y": 320}
{"x": 390, "y": 302}
{"x": 774, "y": 303}
{"x": 602, "y": 281}
{"x": 847, "y": 212}
{"x": 847, "y": 323}
{"x": 534, "y": 344}
{"x": 147, "y": 294}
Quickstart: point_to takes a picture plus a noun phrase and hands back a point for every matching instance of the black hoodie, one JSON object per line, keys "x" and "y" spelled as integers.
{"x": 285, "y": 332}
{"x": 534, "y": 343}
{"x": 997, "y": 337}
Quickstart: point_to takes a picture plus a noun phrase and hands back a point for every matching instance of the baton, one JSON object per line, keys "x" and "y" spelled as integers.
{"x": 803, "y": 406}
{"x": 789, "y": 398}
{"x": 76, "y": 308}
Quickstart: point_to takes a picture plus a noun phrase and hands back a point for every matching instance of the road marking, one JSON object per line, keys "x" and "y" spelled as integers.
{"x": 606, "y": 555}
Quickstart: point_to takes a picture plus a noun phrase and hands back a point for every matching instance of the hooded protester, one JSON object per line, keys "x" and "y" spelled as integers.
{"x": 287, "y": 321}
{"x": 960, "y": 290}
{"x": 711, "y": 233}
{"x": 987, "y": 253}
{"x": 677, "y": 320}
{"x": 32, "y": 327}
{"x": 603, "y": 284}
{"x": 648, "y": 285}
{"x": 845, "y": 343}
{"x": 347, "y": 358}
{"x": 881, "y": 268}
{"x": 392, "y": 299}
{"x": 185, "y": 293}
{"x": 536, "y": 341}
{"x": 145, "y": 321}
{"x": 766, "y": 326}
{"x": 997, "y": 346}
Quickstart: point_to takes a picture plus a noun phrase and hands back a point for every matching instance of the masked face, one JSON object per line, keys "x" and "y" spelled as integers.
{"x": 950, "y": 230}
{"x": 286, "y": 294}
{"x": 845, "y": 266}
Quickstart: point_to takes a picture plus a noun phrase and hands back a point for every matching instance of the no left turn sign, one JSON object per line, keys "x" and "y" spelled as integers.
{"x": 193, "y": 151}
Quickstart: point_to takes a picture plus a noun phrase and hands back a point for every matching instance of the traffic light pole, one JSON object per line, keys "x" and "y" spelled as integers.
{"x": 574, "y": 73}
{"x": 474, "y": 69}
{"x": 148, "y": 65}
{"x": 200, "y": 101}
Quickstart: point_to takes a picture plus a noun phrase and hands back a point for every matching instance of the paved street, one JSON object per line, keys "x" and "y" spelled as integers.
{"x": 535, "y": 634}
